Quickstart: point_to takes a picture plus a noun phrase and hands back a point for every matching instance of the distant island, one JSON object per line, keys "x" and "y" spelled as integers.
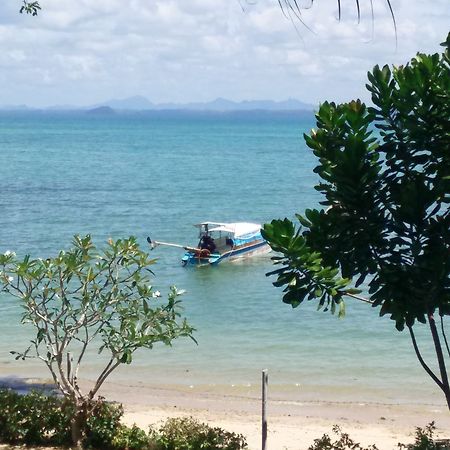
{"x": 140, "y": 103}
{"x": 101, "y": 111}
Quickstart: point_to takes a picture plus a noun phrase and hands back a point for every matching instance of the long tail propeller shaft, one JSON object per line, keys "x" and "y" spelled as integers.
{"x": 153, "y": 244}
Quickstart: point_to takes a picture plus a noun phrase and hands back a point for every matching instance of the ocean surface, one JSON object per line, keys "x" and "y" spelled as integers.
{"x": 158, "y": 174}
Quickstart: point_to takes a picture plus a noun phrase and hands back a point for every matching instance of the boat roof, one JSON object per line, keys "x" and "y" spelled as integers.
{"x": 236, "y": 228}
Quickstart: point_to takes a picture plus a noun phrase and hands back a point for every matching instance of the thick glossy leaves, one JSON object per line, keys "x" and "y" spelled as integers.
{"x": 386, "y": 195}
{"x": 303, "y": 273}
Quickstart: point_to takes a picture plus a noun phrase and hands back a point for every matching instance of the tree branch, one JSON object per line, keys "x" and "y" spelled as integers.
{"x": 445, "y": 336}
{"x": 440, "y": 357}
{"x": 358, "y": 297}
{"x": 106, "y": 372}
{"x": 422, "y": 362}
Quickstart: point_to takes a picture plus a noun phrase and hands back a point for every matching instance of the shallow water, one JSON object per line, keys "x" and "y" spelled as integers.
{"x": 158, "y": 175}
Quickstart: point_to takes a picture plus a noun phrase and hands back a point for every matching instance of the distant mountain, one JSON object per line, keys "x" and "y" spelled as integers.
{"x": 135, "y": 103}
{"x": 219, "y": 104}
{"x": 140, "y": 103}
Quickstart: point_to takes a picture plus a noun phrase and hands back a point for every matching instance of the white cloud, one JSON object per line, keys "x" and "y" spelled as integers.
{"x": 176, "y": 50}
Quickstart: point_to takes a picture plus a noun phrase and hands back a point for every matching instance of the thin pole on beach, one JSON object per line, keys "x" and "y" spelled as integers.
{"x": 265, "y": 380}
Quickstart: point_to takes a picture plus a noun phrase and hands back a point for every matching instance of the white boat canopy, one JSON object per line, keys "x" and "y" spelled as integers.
{"x": 238, "y": 229}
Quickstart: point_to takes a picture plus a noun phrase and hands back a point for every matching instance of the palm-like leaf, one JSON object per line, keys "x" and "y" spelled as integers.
{"x": 30, "y": 7}
{"x": 293, "y": 9}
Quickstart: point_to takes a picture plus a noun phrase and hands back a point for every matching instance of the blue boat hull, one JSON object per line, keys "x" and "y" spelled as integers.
{"x": 247, "y": 249}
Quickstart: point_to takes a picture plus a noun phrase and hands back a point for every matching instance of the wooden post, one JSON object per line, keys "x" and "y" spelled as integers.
{"x": 265, "y": 379}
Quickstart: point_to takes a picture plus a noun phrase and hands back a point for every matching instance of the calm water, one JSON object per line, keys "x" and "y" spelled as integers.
{"x": 158, "y": 175}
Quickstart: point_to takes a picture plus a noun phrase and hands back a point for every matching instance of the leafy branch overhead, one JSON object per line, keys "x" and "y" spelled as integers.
{"x": 30, "y": 8}
{"x": 385, "y": 183}
{"x": 290, "y": 8}
{"x": 86, "y": 298}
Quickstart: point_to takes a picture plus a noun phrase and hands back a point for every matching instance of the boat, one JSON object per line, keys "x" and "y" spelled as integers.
{"x": 219, "y": 242}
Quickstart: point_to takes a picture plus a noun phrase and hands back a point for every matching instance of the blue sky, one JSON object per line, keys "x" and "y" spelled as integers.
{"x": 82, "y": 52}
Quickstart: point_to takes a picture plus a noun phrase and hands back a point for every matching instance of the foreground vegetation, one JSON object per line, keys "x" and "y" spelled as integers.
{"x": 38, "y": 419}
{"x": 424, "y": 440}
{"x": 87, "y": 298}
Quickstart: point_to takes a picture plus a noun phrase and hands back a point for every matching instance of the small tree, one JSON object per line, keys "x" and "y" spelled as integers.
{"x": 387, "y": 216}
{"x": 84, "y": 298}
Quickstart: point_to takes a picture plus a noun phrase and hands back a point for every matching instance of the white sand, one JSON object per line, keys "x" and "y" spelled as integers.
{"x": 292, "y": 425}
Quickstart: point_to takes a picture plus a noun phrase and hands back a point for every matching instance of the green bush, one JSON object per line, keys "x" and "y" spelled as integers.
{"x": 134, "y": 438}
{"x": 425, "y": 440}
{"x": 342, "y": 442}
{"x": 190, "y": 434}
{"x": 40, "y": 419}
{"x": 33, "y": 419}
{"x": 102, "y": 425}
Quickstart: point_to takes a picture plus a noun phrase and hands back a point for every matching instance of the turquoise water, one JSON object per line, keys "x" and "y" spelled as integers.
{"x": 157, "y": 175}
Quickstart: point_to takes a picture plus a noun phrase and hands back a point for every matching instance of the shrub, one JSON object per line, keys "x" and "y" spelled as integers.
{"x": 344, "y": 442}
{"x": 189, "y": 434}
{"x": 134, "y": 438}
{"x": 32, "y": 419}
{"x": 40, "y": 419}
{"x": 425, "y": 440}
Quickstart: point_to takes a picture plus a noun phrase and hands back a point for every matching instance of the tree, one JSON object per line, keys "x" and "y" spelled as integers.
{"x": 385, "y": 182}
{"x": 84, "y": 298}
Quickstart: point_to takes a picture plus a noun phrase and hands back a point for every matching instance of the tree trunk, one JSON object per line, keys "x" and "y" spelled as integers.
{"x": 440, "y": 357}
{"x": 78, "y": 423}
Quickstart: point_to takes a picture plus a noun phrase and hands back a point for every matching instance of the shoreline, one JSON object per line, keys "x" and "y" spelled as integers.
{"x": 293, "y": 424}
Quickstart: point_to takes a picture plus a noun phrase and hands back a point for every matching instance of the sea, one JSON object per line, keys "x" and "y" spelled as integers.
{"x": 157, "y": 174}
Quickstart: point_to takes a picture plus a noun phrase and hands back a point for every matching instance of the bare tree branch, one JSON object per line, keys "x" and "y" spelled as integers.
{"x": 444, "y": 335}
{"x": 421, "y": 360}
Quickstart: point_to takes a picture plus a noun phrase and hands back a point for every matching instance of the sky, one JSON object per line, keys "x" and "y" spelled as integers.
{"x": 82, "y": 52}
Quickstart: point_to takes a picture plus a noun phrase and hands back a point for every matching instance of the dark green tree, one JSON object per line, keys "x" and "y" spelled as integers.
{"x": 385, "y": 183}
{"x": 85, "y": 298}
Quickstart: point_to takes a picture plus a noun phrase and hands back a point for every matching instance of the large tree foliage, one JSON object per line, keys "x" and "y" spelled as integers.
{"x": 385, "y": 180}
{"x": 86, "y": 298}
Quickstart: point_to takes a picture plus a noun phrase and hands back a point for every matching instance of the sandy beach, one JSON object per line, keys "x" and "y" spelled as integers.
{"x": 292, "y": 425}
